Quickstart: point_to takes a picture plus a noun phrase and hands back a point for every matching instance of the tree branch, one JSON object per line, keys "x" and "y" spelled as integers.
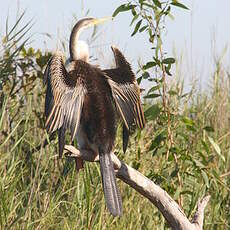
{"x": 173, "y": 214}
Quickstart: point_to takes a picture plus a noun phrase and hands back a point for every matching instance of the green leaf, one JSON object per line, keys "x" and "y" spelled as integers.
{"x": 158, "y": 62}
{"x": 134, "y": 19}
{"x": 191, "y": 128}
{"x": 170, "y": 158}
{"x": 205, "y": 177}
{"x": 216, "y": 147}
{"x": 139, "y": 80}
{"x": 168, "y": 72}
{"x": 134, "y": 13}
{"x": 178, "y": 4}
{"x": 174, "y": 172}
{"x": 157, "y": 140}
{"x": 159, "y": 43}
{"x": 169, "y": 66}
{"x": 167, "y": 69}
{"x": 142, "y": 28}
{"x": 30, "y": 51}
{"x": 152, "y": 112}
{"x": 145, "y": 75}
{"x": 168, "y": 60}
{"x": 172, "y": 92}
{"x": 188, "y": 121}
{"x": 149, "y": 65}
{"x": 152, "y": 95}
{"x": 154, "y": 88}
{"x": 183, "y": 135}
{"x": 157, "y": 3}
{"x": 175, "y": 150}
{"x": 209, "y": 128}
{"x": 137, "y": 27}
{"x": 123, "y": 8}
{"x": 205, "y": 145}
{"x": 185, "y": 95}
{"x": 198, "y": 164}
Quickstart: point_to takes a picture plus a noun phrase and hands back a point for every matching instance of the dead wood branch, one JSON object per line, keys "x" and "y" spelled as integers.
{"x": 160, "y": 198}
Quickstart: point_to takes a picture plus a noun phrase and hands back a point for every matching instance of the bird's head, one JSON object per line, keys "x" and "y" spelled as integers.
{"x": 79, "y": 49}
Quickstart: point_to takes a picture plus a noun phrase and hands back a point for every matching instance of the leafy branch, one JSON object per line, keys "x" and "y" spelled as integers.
{"x": 149, "y": 16}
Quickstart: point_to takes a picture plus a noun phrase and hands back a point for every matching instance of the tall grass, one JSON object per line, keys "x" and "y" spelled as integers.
{"x": 38, "y": 191}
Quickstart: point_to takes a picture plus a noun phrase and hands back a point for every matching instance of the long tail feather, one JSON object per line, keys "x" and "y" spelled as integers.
{"x": 111, "y": 192}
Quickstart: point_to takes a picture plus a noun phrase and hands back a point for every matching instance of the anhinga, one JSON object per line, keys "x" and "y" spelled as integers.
{"x": 86, "y": 99}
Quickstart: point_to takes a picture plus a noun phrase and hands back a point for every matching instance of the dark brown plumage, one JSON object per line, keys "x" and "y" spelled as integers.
{"x": 129, "y": 105}
{"x": 82, "y": 100}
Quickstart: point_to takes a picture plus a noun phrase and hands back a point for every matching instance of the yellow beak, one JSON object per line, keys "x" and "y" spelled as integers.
{"x": 100, "y": 20}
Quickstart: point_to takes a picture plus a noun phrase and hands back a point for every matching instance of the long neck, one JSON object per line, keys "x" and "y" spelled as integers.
{"x": 73, "y": 41}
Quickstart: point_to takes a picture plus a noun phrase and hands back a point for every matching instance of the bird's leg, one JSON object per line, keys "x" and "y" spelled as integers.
{"x": 79, "y": 164}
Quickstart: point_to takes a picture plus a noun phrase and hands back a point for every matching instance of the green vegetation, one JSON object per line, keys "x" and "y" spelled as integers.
{"x": 184, "y": 148}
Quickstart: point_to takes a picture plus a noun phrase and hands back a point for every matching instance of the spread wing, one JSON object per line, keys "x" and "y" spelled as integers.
{"x": 126, "y": 94}
{"x": 64, "y": 99}
{"x": 127, "y": 99}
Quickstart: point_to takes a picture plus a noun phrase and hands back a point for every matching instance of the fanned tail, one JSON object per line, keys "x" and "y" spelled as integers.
{"x": 111, "y": 192}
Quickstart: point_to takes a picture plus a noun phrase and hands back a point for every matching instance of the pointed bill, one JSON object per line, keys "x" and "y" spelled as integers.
{"x": 97, "y": 21}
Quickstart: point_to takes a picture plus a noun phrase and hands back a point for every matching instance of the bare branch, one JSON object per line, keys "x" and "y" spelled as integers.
{"x": 198, "y": 218}
{"x": 160, "y": 198}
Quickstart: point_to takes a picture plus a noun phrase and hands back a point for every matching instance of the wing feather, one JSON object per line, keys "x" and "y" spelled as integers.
{"x": 127, "y": 99}
{"x": 64, "y": 99}
{"x": 126, "y": 94}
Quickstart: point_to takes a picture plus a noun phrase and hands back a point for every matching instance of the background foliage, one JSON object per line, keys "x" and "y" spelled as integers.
{"x": 184, "y": 147}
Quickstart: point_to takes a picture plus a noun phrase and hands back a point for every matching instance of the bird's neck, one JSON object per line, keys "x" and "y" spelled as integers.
{"x": 74, "y": 41}
{"x": 78, "y": 49}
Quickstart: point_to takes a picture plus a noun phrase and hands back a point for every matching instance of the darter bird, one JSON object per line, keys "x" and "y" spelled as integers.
{"x": 85, "y": 100}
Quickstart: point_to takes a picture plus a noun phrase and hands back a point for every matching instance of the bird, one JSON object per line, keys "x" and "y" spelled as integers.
{"x": 85, "y": 100}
